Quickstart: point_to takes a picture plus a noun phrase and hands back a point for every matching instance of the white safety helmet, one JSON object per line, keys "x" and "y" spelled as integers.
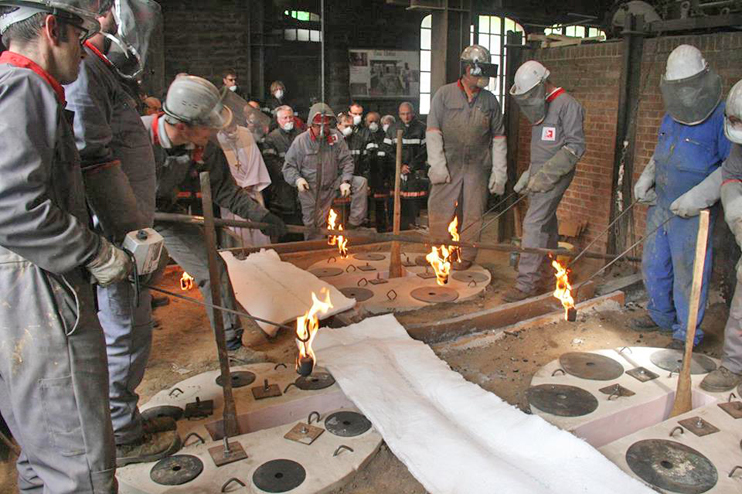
{"x": 195, "y": 101}
{"x": 527, "y": 76}
{"x": 684, "y": 61}
{"x": 81, "y": 13}
{"x": 734, "y": 109}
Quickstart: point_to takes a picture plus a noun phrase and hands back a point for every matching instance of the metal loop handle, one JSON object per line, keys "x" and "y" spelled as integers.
{"x": 678, "y": 428}
{"x": 558, "y": 370}
{"x": 331, "y": 259}
{"x": 192, "y": 434}
{"x": 341, "y": 448}
{"x": 388, "y": 295}
{"x": 615, "y": 395}
{"x": 275, "y": 367}
{"x": 676, "y": 371}
{"x": 364, "y": 280}
{"x": 625, "y": 348}
{"x": 309, "y": 420}
{"x": 347, "y": 270}
{"x": 731, "y": 396}
{"x": 174, "y": 390}
{"x": 738, "y": 467}
{"x": 288, "y": 386}
{"x": 472, "y": 283}
{"x": 233, "y": 479}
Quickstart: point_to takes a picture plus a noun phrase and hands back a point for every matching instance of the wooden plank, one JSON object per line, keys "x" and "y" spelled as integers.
{"x": 495, "y": 317}
{"x": 395, "y": 259}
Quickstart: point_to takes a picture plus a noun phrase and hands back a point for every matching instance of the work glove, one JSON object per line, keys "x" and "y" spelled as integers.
{"x": 521, "y": 186}
{"x": 302, "y": 185}
{"x": 548, "y": 176}
{"x": 345, "y": 189}
{"x": 110, "y": 265}
{"x": 276, "y": 227}
{"x": 702, "y": 196}
{"x": 495, "y": 187}
{"x": 438, "y": 173}
{"x": 644, "y": 187}
{"x": 499, "y": 174}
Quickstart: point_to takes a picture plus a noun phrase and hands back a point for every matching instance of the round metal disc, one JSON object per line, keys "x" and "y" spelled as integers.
{"x": 434, "y": 294}
{"x": 358, "y": 293}
{"x": 672, "y": 466}
{"x": 672, "y": 360}
{"x": 326, "y": 272}
{"x": 315, "y": 381}
{"x": 279, "y": 476}
{"x": 587, "y": 365}
{"x": 239, "y": 379}
{"x": 176, "y": 470}
{"x": 369, "y": 256}
{"x": 564, "y": 401}
{"x": 175, "y": 413}
{"x": 469, "y": 276}
{"x": 347, "y": 424}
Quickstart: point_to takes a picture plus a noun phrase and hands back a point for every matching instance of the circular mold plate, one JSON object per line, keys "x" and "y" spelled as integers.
{"x": 347, "y": 424}
{"x": 593, "y": 366}
{"x": 358, "y": 293}
{"x": 279, "y": 476}
{"x": 175, "y": 413}
{"x": 369, "y": 256}
{"x": 239, "y": 379}
{"x": 672, "y": 466}
{"x": 315, "y": 381}
{"x": 434, "y": 294}
{"x": 561, "y": 400}
{"x": 176, "y": 470}
{"x": 326, "y": 272}
{"x": 672, "y": 360}
{"x": 469, "y": 276}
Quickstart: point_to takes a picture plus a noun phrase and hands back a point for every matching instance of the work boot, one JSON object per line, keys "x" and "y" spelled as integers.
{"x": 643, "y": 323}
{"x": 515, "y": 295}
{"x": 149, "y": 447}
{"x": 243, "y": 355}
{"x": 722, "y": 379}
{"x": 461, "y": 265}
{"x": 158, "y": 424}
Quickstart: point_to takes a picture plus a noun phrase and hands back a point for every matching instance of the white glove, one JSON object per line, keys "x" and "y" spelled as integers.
{"x": 110, "y": 265}
{"x": 496, "y": 188}
{"x": 344, "y": 189}
{"x": 644, "y": 187}
{"x": 302, "y": 185}
{"x": 702, "y": 196}
{"x": 522, "y": 185}
{"x": 438, "y": 173}
{"x": 499, "y": 174}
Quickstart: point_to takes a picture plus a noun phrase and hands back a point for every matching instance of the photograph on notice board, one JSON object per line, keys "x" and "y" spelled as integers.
{"x": 384, "y": 74}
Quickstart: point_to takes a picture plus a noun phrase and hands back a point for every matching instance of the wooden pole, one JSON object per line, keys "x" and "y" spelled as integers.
{"x": 395, "y": 263}
{"x": 231, "y": 427}
{"x": 683, "y": 398}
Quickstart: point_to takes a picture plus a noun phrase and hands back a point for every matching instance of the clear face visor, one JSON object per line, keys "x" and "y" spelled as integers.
{"x": 244, "y": 115}
{"x": 532, "y": 103}
{"x": 692, "y": 100}
{"x": 137, "y": 20}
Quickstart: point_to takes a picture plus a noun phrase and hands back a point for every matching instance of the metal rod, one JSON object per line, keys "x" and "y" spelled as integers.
{"x": 500, "y": 203}
{"x": 231, "y": 428}
{"x": 500, "y": 214}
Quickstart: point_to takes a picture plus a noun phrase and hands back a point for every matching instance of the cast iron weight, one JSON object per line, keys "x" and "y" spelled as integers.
{"x": 571, "y": 314}
{"x": 228, "y": 453}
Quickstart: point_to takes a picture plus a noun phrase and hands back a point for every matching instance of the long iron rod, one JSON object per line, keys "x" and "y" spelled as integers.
{"x": 500, "y": 203}
{"x": 500, "y": 214}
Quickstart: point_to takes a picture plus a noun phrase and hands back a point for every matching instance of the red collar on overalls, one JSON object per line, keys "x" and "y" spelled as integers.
{"x": 461, "y": 86}
{"x": 20, "y": 61}
{"x": 554, "y": 95}
{"x": 98, "y": 53}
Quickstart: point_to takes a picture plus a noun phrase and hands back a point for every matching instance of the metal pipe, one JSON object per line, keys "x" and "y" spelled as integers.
{"x": 574, "y": 260}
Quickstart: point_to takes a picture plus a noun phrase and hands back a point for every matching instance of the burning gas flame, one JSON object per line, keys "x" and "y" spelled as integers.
{"x": 186, "y": 282}
{"x": 563, "y": 290}
{"x": 440, "y": 258}
{"x": 339, "y": 240}
{"x": 308, "y": 324}
{"x": 453, "y": 230}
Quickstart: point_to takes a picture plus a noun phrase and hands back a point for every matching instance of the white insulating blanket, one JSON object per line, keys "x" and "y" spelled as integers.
{"x": 453, "y": 436}
{"x": 278, "y": 291}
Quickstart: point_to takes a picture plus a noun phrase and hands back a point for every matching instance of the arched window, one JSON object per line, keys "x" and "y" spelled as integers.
{"x": 426, "y": 34}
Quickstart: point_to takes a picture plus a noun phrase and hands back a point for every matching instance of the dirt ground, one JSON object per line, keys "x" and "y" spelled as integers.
{"x": 183, "y": 346}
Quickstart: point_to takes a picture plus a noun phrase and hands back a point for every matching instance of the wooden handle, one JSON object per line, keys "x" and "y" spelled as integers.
{"x": 395, "y": 263}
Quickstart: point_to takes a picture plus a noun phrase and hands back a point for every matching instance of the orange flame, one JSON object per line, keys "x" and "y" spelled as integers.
{"x": 339, "y": 240}
{"x": 186, "y": 282}
{"x": 440, "y": 258}
{"x": 563, "y": 291}
{"x": 308, "y": 324}
{"x": 453, "y": 230}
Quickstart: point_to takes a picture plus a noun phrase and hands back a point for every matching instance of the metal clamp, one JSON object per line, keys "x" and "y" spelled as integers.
{"x": 170, "y": 394}
{"x": 347, "y": 270}
{"x": 625, "y": 348}
{"x": 192, "y": 434}
{"x": 341, "y": 448}
{"x": 275, "y": 367}
{"x": 389, "y": 293}
{"x": 364, "y": 280}
{"x": 288, "y": 386}
{"x": 472, "y": 283}
{"x": 558, "y": 370}
{"x": 678, "y": 428}
{"x": 309, "y": 420}
{"x": 331, "y": 259}
{"x": 233, "y": 479}
{"x": 738, "y": 467}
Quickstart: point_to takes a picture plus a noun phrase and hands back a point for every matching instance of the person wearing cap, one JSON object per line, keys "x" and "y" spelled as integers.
{"x": 682, "y": 178}
{"x": 183, "y": 147}
{"x": 319, "y": 165}
{"x": 557, "y": 145}
{"x": 729, "y": 374}
{"x": 466, "y": 151}
{"x": 118, "y": 168}
{"x": 53, "y": 375}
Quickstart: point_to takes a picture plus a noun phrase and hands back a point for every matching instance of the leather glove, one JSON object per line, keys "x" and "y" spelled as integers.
{"x": 731, "y": 198}
{"x": 438, "y": 172}
{"x": 110, "y": 265}
{"x": 345, "y": 189}
{"x": 439, "y": 175}
{"x": 499, "y": 174}
{"x": 644, "y": 187}
{"x": 496, "y": 188}
{"x": 562, "y": 163}
{"x": 302, "y": 185}
{"x": 702, "y": 196}
{"x": 521, "y": 187}
{"x": 276, "y": 228}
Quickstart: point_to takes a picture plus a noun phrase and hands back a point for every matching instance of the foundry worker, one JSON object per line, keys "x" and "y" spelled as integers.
{"x": 183, "y": 147}
{"x": 680, "y": 180}
{"x": 466, "y": 151}
{"x": 319, "y": 165}
{"x": 53, "y": 376}
{"x": 414, "y": 179}
{"x": 118, "y": 168}
{"x": 557, "y": 144}
{"x": 356, "y": 140}
{"x": 377, "y": 170}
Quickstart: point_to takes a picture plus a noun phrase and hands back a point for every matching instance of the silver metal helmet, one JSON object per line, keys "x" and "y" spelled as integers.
{"x": 82, "y": 13}
{"x": 196, "y": 101}
{"x": 478, "y": 57}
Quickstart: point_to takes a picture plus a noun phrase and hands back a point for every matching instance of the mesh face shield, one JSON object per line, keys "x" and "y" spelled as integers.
{"x": 532, "y": 103}
{"x": 692, "y": 100}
